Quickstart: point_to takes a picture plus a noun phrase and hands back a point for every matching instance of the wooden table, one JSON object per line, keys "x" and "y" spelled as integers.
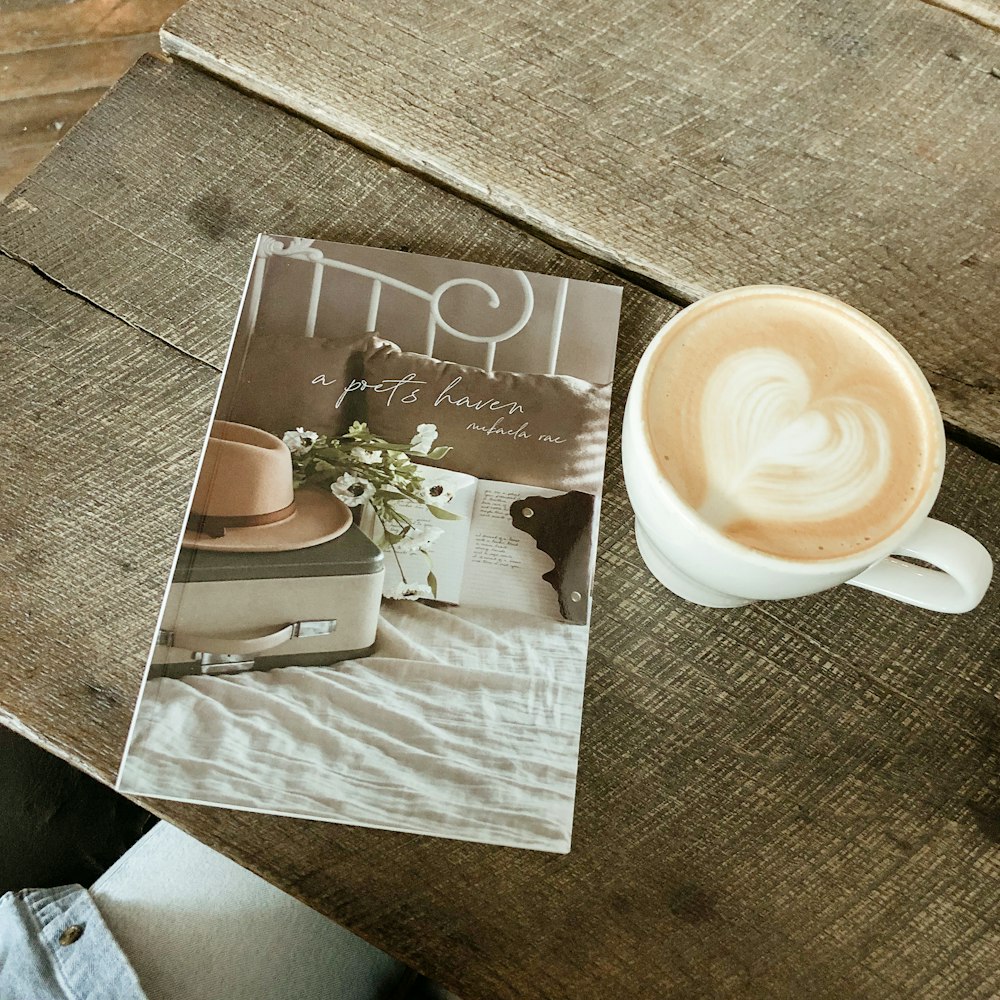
{"x": 796, "y": 799}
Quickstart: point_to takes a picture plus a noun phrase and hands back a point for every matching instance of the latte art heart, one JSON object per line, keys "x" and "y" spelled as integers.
{"x": 776, "y": 449}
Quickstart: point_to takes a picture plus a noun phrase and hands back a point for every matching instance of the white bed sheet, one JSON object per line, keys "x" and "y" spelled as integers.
{"x": 463, "y": 723}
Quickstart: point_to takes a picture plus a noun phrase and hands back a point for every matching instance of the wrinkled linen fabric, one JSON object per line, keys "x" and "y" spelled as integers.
{"x": 462, "y": 723}
{"x": 54, "y": 945}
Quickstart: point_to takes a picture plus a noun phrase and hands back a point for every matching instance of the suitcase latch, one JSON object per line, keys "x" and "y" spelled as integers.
{"x": 302, "y": 630}
{"x": 222, "y": 663}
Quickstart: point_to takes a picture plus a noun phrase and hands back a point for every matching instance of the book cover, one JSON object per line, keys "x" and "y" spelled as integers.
{"x": 379, "y": 607}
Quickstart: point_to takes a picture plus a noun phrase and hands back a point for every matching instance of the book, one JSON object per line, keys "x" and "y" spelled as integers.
{"x": 378, "y": 610}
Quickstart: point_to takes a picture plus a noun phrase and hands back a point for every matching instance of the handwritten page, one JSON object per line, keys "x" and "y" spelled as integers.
{"x": 503, "y": 566}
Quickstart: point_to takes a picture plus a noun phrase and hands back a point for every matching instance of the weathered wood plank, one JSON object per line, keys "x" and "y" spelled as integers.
{"x": 62, "y": 68}
{"x": 33, "y": 111}
{"x": 41, "y": 25}
{"x": 17, "y": 160}
{"x": 45, "y": 118}
{"x": 849, "y": 147}
{"x": 20, "y": 5}
{"x": 91, "y": 382}
{"x": 790, "y": 800}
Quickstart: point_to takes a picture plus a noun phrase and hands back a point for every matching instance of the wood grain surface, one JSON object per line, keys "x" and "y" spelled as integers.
{"x": 849, "y": 147}
{"x": 56, "y": 59}
{"x": 43, "y": 119}
{"x": 60, "y": 68}
{"x": 30, "y": 127}
{"x": 41, "y": 25}
{"x": 790, "y": 800}
{"x": 17, "y": 160}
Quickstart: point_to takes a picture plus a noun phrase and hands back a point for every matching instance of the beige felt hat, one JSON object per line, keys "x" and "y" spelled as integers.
{"x": 244, "y": 501}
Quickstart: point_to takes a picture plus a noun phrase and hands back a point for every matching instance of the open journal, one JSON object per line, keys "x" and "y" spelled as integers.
{"x": 478, "y": 560}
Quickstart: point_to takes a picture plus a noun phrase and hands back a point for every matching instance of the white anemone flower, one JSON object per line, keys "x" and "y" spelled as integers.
{"x": 436, "y": 494}
{"x": 366, "y": 456}
{"x": 426, "y": 536}
{"x": 418, "y": 539}
{"x": 353, "y": 490}
{"x": 299, "y": 441}
{"x": 409, "y": 592}
{"x": 420, "y": 443}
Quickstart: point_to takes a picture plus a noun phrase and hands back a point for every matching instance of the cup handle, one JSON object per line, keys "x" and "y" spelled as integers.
{"x": 957, "y": 585}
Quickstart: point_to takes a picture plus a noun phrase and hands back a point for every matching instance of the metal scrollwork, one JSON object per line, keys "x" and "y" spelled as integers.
{"x": 299, "y": 248}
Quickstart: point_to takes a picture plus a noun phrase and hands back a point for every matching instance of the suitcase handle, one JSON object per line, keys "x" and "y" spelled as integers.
{"x": 250, "y": 644}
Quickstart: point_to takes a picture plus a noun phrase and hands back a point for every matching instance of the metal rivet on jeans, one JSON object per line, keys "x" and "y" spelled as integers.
{"x": 72, "y": 933}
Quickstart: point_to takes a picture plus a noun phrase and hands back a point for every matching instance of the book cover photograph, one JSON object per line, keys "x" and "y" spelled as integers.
{"x": 379, "y": 607}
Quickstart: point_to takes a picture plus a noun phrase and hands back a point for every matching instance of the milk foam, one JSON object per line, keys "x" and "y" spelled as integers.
{"x": 775, "y": 448}
{"x": 789, "y": 428}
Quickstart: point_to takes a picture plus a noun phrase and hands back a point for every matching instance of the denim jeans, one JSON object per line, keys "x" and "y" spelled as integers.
{"x": 54, "y": 945}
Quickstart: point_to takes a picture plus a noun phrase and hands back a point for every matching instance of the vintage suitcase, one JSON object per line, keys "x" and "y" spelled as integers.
{"x": 228, "y": 612}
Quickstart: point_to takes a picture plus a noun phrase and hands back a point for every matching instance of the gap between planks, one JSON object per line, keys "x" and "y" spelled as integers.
{"x": 108, "y": 312}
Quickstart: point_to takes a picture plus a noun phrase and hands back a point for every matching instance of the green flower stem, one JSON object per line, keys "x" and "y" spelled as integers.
{"x": 395, "y": 555}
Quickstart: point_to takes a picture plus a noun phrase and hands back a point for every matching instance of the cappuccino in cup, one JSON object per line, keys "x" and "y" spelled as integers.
{"x": 791, "y": 425}
{"x": 778, "y": 442}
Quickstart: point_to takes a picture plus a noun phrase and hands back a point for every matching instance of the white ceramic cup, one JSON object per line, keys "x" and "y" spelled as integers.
{"x": 700, "y": 564}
